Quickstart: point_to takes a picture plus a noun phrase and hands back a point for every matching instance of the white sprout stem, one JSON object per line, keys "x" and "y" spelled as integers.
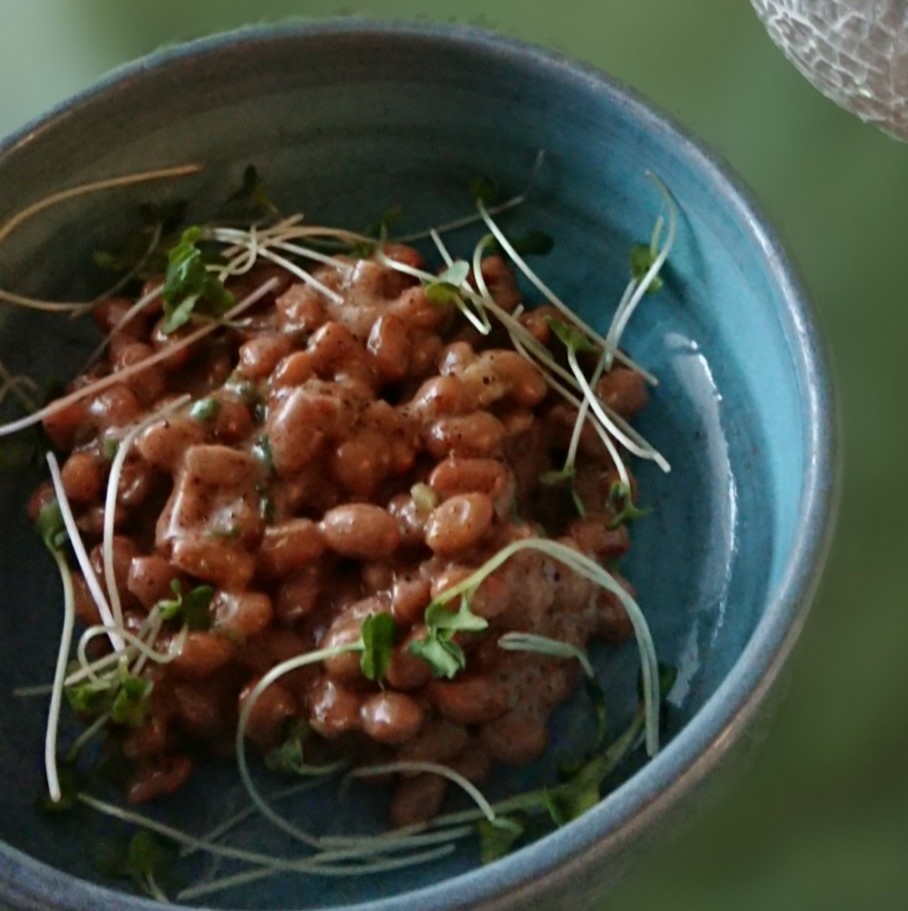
{"x": 556, "y": 301}
{"x": 309, "y": 253}
{"x": 466, "y": 220}
{"x": 94, "y": 728}
{"x": 231, "y": 822}
{"x": 343, "y": 236}
{"x": 577, "y": 403}
{"x": 431, "y": 768}
{"x": 276, "y": 672}
{"x": 160, "y": 355}
{"x": 442, "y": 249}
{"x": 91, "y": 671}
{"x": 480, "y": 322}
{"x": 17, "y": 386}
{"x": 124, "y": 280}
{"x": 71, "y": 193}
{"x": 304, "y": 276}
{"x": 34, "y": 303}
{"x": 110, "y": 500}
{"x": 82, "y": 558}
{"x": 324, "y": 863}
{"x": 93, "y": 187}
{"x": 481, "y": 285}
{"x": 56, "y": 696}
{"x": 545, "y": 645}
{"x": 174, "y": 834}
{"x": 623, "y": 314}
{"x": 358, "y": 846}
{"x": 534, "y": 279}
{"x": 138, "y": 644}
{"x": 643, "y": 451}
{"x": 154, "y": 890}
{"x": 594, "y": 572}
{"x": 141, "y": 304}
{"x": 149, "y": 636}
{"x": 304, "y": 866}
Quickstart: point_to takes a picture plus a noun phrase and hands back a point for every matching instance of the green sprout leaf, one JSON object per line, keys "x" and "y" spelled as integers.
{"x": 149, "y": 858}
{"x": 620, "y": 497}
{"x": 596, "y": 696}
{"x": 533, "y": 243}
{"x": 188, "y": 281}
{"x": 377, "y": 632}
{"x": 497, "y": 838}
{"x": 205, "y": 410}
{"x": 251, "y": 197}
{"x": 50, "y": 527}
{"x": 572, "y": 799}
{"x": 193, "y": 608}
{"x": 132, "y": 703}
{"x": 564, "y": 476}
{"x": 290, "y": 757}
{"x": 380, "y": 229}
{"x": 440, "y": 619}
{"x": 446, "y": 289}
{"x": 91, "y": 698}
{"x": 445, "y": 657}
{"x": 70, "y": 785}
{"x": 642, "y": 258}
{"x": 261, "y": 449}
{"x": 571, "y": 336}
{"x": 196, "y": 608}
{"x": 438, "y": 648}
{"x": 484, "y": 190}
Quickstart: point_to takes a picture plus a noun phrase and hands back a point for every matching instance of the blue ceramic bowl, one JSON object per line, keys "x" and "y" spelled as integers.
{"x": 343, "y": 120}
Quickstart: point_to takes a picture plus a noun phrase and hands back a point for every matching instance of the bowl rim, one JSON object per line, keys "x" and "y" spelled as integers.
{"x": 711, "y": 733}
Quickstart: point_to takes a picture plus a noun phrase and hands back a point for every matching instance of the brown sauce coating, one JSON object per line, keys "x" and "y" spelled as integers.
{"x": 342, "y": 460}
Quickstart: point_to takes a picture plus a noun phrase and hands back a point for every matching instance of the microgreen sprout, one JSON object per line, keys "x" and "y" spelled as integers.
{"x": 485, "y": 190}
{"x": 205, "y": 410}
{"x": 646, "y": 264}
{"x": 533, "y": 243}
{"x": 49, "y": 525}
{"x": 438, "y": 647}
{"x": 188, "y": 281}
{"x": 589, "y": 569}
{"x": 544, "y": 645}
{"x": 72, "y": 193}
{"x": 556, "y": 648}
{"x": 377, "y": 633}
{"x": 497, "y": 839}
{"x": 191, "y": 608}
{"x": 424, "y": 497}
{"x": 112, "y": 688}
{"x": 621, "y": 499}
{"x": 252, "y": 196}
{"x": 289, "y": 758}
{"x": 148, "y": 857}
{"x": 261, "y": 449}
{"x": 123, "y": 373}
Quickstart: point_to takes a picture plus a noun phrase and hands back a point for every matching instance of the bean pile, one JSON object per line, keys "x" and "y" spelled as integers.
{"x": 340, "y": 460}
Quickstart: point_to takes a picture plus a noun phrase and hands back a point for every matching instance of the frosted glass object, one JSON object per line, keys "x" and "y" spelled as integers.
{"x": 854, "y": 51}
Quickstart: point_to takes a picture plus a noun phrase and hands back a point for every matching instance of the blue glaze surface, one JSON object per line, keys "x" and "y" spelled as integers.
{"x": 344, "y": 120}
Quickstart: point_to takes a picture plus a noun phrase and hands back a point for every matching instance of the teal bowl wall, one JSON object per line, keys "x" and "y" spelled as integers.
{"x": 344, "y": 120}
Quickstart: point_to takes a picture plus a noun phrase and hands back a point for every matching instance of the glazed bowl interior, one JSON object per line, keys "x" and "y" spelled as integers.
{"x": 343, "y": 122}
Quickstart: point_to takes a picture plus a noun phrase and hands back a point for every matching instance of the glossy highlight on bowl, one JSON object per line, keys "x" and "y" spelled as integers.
{"x": 344, "y": 119}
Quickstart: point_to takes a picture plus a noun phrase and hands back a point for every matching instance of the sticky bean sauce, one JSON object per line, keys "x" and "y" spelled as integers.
{"x": 340, "y": 460}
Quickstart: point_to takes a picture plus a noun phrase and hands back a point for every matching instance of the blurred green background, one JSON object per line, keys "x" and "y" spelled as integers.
{"x": 821, "y": 819}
